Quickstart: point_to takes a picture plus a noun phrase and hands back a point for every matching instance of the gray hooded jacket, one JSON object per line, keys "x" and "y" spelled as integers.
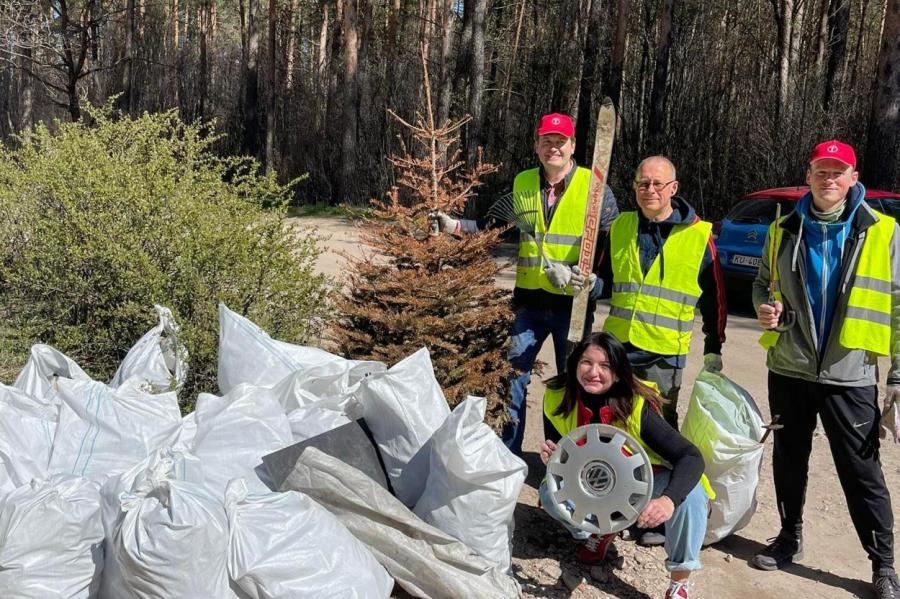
{"x": 795, "y": 354}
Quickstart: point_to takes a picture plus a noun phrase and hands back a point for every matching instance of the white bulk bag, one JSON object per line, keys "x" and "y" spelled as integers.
{"x": 171, "y": 542}
{"x": 473, "y": 483}
{"x": 287, "y": 545}
{"x": 174, "y": 463}
{"x": 51, "y": 540}
{"x": 234, "y": 432}
{"x": 403, "y": 407}
{"x": 723, "y": 421}
{"x": 158, "y": 359}
{"x": 46, "y": 364}
{"x": 104, "y": 431}
{"x": 247, "y": 354}
{"x": 27, "y": 428}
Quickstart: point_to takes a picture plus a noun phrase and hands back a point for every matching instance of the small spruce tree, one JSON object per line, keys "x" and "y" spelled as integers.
{"x": 415, "y": 288}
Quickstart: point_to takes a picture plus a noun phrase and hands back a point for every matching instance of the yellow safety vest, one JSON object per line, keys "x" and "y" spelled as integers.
{"x": 565, "y": 423}
{"x": 867, "y": 323}
{"x": 561, "y": 241}
{"x": 652, "y": 314}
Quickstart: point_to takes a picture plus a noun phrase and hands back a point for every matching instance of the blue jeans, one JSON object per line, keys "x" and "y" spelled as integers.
{"x": 529, "y": 331}
{"x": 684, "y": 530}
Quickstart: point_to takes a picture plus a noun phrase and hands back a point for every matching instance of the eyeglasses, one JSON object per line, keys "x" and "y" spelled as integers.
{"x": 645, "y": 185}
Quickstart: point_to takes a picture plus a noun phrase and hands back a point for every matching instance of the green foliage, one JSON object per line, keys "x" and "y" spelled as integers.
{"x": 98, "y": 223}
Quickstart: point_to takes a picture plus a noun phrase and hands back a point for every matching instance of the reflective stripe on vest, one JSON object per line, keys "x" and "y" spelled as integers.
{"x": 867, "y": 324}
{"x": 565, "y": 423}
{"x": 652, "y": 314}
{"x": 561, "y": 242}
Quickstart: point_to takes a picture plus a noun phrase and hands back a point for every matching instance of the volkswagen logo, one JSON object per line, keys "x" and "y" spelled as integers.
{"x": 832, "y": 149}
{"x": 752, "y": 236}
{"x": 555, "y": 121}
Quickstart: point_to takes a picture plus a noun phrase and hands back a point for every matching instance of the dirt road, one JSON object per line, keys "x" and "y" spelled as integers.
{"x": 834, "y": 566}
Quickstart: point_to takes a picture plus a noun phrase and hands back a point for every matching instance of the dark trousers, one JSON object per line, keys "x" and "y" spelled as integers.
{"x": 850, "y": 417}
{"x": 668, "y": 379}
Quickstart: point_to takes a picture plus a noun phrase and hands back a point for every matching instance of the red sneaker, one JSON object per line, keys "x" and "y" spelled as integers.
{"x": 678, "y": 589}
{"x": 594, "y": 549}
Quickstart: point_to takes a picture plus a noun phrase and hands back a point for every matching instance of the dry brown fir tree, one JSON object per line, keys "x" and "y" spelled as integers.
{"x": 413, "y": 289}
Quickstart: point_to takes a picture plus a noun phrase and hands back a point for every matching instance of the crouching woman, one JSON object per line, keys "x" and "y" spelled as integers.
{"x": 600, "y": 387}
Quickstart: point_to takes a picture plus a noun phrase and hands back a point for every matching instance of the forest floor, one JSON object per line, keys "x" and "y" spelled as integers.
{"x": 835, "y": 565}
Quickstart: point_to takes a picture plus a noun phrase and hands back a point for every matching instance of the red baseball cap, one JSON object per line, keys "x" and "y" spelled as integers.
{"x": 556, "y": 123}
{"x": 835, "y": 149}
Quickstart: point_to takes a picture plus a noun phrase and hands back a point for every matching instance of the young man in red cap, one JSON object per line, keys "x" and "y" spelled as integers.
{"x": 837, "y": 294}
{"x": 553, "y": 197}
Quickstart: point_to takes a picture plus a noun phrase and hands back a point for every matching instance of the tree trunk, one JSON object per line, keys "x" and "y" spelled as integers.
{"x": 125, "y": 100}
{"x": 350, "y": 47}
{"x": 859, "y": 42}
{"x": 290, "y": 37}
{"x": 617, "y": 61}
{"x": 203, "y": 13}
{"x": 661, "y": 75}
{"x": 270, "y": 87}
{"x": 822, "y": 37}
{"x": 590, "y": 53}
{"x": 882, "y": 166}
{"x": 445, "y": 84}
{"x": 250, "y": 82}
{"x": 784, "y": 18}
{"x": 838, "y": 24}
{"x": 476, "y": 82}
{"x": 390, "y": 45}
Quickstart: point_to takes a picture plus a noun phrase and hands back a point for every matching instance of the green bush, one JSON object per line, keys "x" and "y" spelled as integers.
{"x": 98, "y": 223}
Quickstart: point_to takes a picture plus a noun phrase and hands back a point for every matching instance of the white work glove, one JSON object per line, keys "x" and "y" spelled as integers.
{"x": 449, "y": 225}
{"x": 712, "y": 362}
{"x": 890, "y": 417}
{"x": 559, "y": 274}
{"x": 577, "y": 281}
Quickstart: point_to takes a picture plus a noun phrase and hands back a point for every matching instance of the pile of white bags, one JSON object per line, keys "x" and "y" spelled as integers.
{"x": 473, "y": 483}
{"x": 108, "y": 492}
{"x": 723, "y": 421}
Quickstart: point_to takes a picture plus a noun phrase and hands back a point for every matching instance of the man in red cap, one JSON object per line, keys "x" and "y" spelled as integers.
{"x": 553, "y": 199}
{"x": 836, "y": 304}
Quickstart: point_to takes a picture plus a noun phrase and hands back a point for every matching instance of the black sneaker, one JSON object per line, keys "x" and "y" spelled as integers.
{"x": 781, "y": 551}
{"x": 886, "y": 584}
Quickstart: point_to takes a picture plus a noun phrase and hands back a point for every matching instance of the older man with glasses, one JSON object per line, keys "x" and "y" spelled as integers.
{"x": 662, "y": 263}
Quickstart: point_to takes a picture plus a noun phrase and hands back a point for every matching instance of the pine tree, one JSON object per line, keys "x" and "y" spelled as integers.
{"x": 415, "y": 288}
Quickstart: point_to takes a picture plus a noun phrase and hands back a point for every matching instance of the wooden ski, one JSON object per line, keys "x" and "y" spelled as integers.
{"x": 603, "y": 142}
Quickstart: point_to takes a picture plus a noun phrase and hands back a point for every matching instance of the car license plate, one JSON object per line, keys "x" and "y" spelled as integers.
{"x": 742, "y": 260}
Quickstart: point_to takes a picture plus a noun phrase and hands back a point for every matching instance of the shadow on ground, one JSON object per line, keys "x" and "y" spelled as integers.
{"x": 744, "y": 549}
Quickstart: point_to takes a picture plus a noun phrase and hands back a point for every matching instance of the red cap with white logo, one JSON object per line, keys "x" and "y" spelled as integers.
{"x": 836, "y": 150}
{"x": 556, "y": 123}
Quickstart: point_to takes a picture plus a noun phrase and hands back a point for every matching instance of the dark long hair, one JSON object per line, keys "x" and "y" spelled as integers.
{"x": 620, "y": 396}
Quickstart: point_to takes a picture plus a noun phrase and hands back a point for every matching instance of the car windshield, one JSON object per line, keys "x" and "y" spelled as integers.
{"x": 761, "y": 212}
